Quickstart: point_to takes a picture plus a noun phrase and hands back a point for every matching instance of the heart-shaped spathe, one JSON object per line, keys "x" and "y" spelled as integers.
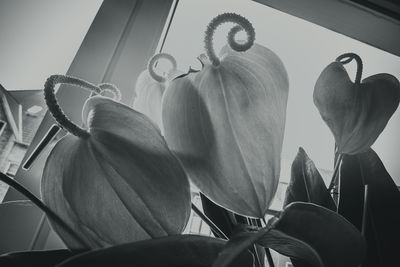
{"x": 226, "y": 125}
{"x": 356, "y": 112}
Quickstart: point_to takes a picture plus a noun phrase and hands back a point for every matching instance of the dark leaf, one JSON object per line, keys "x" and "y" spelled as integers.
{"x": 227, "y": 222}
{"x": 224, "y": 219}
{"x": 351, "y": 200}
{"x": 172, "y": 251}
{"x": 306, "y": 183}
{"x": 303, "y": 231}
{"x": 244, "y": 237}
{"x": 46, "y": 258}
{"x": 382, "y": 223}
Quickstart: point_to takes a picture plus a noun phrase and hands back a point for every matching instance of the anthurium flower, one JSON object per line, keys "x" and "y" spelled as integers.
{"x": 226, "y": 122}
{"x": 356, "y": 112}
{"x": 116, "y": 181}
{"x": 150, "y": 87}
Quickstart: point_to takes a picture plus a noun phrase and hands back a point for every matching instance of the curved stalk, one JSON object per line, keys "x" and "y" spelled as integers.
{"x": 108, "y": 87}
{"x": 55, "y": 109}
{"x": 243, "y": 24}
{"x": 154, "y": 60}
{"x": 347, "y": 58}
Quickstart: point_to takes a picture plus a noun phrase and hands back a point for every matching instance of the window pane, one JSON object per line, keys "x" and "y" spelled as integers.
{"x": 305, "y": 49}
{"x": 38, "y": 38}
{"x": 195, "y": 225}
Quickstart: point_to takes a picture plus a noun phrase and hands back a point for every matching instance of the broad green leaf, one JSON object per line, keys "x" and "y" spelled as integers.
{"x": 305, "y": 231}
{"x": 306, "y": 183}
{"x": 46, "y": 258}
{"x": 382, "y": 223}
{"x": 172, "y": 251}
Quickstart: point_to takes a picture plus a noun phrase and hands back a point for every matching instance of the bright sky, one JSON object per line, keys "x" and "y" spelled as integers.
{"x": 305, "y": 50}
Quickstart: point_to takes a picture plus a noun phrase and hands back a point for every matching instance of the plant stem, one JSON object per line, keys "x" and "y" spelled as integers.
{"x": 54, "y": 217}
{"x": 365, "y": 210}
{"x": 350, "y": 57}
{"x": 335, "y": 172}
{"x": 334, "y": 184}
{"x": 365, "y": 213}
{"x": 209, "y": 222}
{"x": 253, "y": 222}
{"x": 267, "y": 251}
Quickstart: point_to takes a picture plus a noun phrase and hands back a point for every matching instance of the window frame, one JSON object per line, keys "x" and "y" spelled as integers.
{"x": 363, "y": 22}
{"x": 117, "y": 27}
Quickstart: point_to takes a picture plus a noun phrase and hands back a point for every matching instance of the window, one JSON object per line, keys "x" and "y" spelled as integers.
{"x": 34, "y": 110}
{"x": 53, "y": 36}
{"x": 108, "y": 51}
{"x": 39, "y": 38}
{"x": 305, "y": 49}
{"x": 53, "y": 42}
{"x": 12, "y": 168}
